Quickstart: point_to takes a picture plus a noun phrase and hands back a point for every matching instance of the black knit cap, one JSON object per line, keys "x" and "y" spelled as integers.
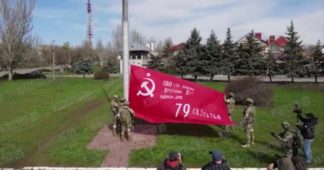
{"x": 173, "y": 156}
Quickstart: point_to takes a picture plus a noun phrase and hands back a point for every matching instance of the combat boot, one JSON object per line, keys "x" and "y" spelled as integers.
{"x": 248, "y": 143}
{"x": 128, "y": 135}
{"x": 252, "y": 138}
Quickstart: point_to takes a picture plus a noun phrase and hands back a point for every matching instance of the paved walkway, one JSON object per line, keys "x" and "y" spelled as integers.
{"x": 143, "y": 136}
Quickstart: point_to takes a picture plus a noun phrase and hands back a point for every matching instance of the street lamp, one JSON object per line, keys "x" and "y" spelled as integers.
{"x": 53, "y": 58}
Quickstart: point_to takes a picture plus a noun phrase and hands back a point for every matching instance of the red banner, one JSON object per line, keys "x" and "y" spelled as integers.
{"x": 161, "y": 98}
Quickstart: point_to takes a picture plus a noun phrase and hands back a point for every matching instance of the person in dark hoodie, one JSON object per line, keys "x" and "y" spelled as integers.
{"x": 307, "y": 131}
{"x": 218, "y": 162}
{"x": 173, "y": 162}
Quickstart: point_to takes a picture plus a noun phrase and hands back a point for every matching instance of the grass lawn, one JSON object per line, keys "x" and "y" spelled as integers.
{"x": 45, "y": 122}
{"x": 195, "y": 141}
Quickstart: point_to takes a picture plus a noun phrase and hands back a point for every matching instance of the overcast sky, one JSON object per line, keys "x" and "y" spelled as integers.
{"x": 66, "y": 20}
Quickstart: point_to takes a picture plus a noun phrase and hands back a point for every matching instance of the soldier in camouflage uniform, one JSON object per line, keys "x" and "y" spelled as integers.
{"x": 286, "y": 139}
{"x": 114, "y": 105}
{"x": 124, "y": 102}
{"x": 230, "y": 103}
{"x": 126, "y": 120}
{"x": 248, "y": 121}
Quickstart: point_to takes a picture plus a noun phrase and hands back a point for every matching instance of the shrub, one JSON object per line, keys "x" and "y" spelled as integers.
{"x": 101, "y": 75}
{"x": 111, "y": 68}
{"x": 251, "y": 87}
{"x": 82, "y": 67}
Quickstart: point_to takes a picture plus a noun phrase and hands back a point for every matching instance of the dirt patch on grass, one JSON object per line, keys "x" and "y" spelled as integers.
{"x": 36, "y": 157}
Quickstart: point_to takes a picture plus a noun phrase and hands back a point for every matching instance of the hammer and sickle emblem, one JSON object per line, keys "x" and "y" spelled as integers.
{"x": 147, "y": 90}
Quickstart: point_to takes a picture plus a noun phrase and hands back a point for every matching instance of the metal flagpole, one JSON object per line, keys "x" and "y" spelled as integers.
{"x": 125, "y": 49}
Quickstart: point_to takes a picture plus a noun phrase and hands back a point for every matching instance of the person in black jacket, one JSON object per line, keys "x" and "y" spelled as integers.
{"x": 173, "y": 162}
{"x": 218, "y": 162}
{"x": 307, "y": 131}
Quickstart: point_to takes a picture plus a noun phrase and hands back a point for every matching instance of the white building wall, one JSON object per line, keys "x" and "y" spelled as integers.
{"x": 139, "y": 62}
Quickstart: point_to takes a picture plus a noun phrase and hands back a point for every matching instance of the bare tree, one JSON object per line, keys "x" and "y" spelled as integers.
{"x": 89, "y": 51}
{"x": 66, "y": 48}
{"x": 100, "y": 52}
{"x": 159, "y": 46}
{"x": 117, "y": 38}
{"x": 134, "y": 37}
{"x": 1, "y": 62}
{"x": 45, "y": 55}
{"x": 15, "y": 31}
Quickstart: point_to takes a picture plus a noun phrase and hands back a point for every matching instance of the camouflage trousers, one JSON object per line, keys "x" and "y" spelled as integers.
{"x": 249, "y": 134}
{"x": 114, "y": 122}
{"x": 288, "y": 151}
{"x": 126, "y": 131}
{"x": 228, "y": 127}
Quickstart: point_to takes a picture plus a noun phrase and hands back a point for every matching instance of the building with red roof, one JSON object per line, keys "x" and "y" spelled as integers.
{"x": 177, "y": 47}
{"x": 273, "y": 44}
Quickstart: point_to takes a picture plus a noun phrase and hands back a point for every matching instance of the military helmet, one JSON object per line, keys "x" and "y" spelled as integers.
{"x": 122, "y": 100}
{"x": 115, "y": 96}
{"x": 231, "y": 94}
{"x": 250, "y": 100}
{"x": 285, "y": 125}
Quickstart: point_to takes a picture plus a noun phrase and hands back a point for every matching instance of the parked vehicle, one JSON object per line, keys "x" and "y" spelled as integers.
{"x": 31, "y": 75}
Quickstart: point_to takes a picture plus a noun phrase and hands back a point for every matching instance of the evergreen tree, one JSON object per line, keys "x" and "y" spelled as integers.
{"x": 167, "y": 56}
{"x": 271, "y": 66}
{"x": 293, "y": 51}
{"x": 110, "y": 67}
{"x": 155, "y": 63}
{"x": 166, "y": 50}
{"x": 251, "y": 60}
{"x": 83, "y": 67}
{"x": 194, "y": 52}
{"x": 212, "y": 56}
{"x": 181, "y": 60}
{"x": 229, "y": 55}
{"x": 317, "y": 59}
